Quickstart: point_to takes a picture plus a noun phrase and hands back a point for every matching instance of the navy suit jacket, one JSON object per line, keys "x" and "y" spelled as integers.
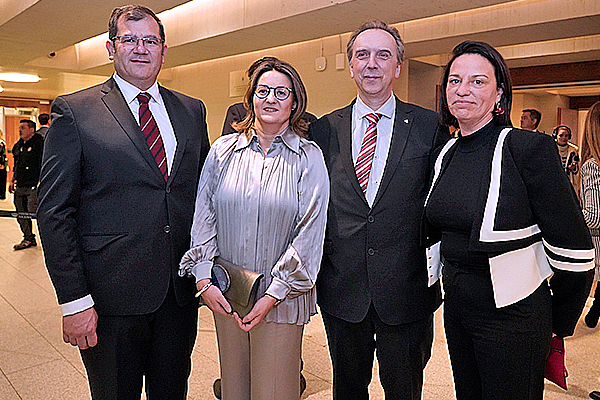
{"x": 110, "y": 224}
{"x": 374, "y": 255}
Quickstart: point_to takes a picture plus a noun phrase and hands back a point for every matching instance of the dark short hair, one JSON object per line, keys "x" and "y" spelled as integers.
{"x": 377, "y": 24}
{"x": 29, "y": 123}
{"x": 132, "y": 13}
{"x": 535, "y": 114}
{"x": 501, "y": 73}
{"x": 298, "y": 125}
{"x": 43, "y": 118}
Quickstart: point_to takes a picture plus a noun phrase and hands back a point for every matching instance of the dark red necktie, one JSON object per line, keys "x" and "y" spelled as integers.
{"x": 367, "y": 151}
{"x": 152, "y": 134}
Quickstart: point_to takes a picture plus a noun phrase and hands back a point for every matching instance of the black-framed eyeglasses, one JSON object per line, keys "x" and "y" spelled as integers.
{"x": 281, "y": 92}
{"x": 149, "y": 42}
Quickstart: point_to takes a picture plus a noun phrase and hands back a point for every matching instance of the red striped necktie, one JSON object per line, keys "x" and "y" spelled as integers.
{"x": 367, "y": 151}
{"x": 152, "y": 134}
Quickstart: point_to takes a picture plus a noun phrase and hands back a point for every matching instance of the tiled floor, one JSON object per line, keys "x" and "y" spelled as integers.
{"x": 35, "y": 364}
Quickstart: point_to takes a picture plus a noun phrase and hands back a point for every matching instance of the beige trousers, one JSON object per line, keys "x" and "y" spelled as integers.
{"x": 263, "y": 364}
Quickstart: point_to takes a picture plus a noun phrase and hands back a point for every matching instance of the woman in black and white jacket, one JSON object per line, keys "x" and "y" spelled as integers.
{"x": 503, "y": 217}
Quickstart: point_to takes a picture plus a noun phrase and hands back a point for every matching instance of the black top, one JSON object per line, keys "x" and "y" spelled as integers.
{"x": 28, "y": 160}
{"x": 452, "y": 206}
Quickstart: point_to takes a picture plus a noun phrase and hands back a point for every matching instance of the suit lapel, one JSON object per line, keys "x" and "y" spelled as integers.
{"x": 177, "y": 116}
{"x": 402, "y": 125}
{"x": 344, "y": 133}
{"x": 115, "y": 102}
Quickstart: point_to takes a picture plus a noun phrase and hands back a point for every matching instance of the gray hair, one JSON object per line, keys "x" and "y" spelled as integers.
{"x": 377, "y": 24}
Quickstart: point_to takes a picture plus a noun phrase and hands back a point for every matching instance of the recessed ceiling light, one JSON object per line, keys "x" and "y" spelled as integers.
{"x": 1, "y": 89}
{"x": 16, "y": 77}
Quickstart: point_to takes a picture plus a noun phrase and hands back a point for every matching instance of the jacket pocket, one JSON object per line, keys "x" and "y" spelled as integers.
{"x": 96, "y": 242}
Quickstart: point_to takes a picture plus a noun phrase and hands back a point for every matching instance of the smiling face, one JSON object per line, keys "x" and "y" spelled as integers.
{"x": 562, "y": 137}
{"x": 271, "y": 114}
{"x": 374, "y": 66}
{"x": 472, "y": 92}
{"x": 137, "y": 65}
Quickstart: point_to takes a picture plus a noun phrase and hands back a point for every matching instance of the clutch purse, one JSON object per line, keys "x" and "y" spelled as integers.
{"x": 238, "y": 284}
{"x": 555, "y": 364}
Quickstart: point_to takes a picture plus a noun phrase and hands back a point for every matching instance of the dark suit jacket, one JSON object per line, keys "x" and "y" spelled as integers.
{"x": 110, "y": 225}
{"x": 374, "y": 255}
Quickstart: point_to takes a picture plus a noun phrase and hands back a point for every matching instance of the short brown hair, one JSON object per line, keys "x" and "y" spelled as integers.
{"x": 132, "y": 13}
{"x": 298, "y": 125}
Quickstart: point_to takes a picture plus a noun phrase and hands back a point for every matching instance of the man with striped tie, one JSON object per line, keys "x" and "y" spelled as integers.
{"x": 374, "y": 281}
{"x": 117, "y": 191}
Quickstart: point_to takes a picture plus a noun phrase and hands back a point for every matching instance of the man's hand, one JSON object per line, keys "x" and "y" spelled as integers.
{"x": 258, "y": 312}
{"x": 11, "y": 187}
{"x": 80, "y": 329}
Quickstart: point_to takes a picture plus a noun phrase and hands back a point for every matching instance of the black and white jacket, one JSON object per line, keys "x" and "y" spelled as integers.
{"x": 530, "y": 221}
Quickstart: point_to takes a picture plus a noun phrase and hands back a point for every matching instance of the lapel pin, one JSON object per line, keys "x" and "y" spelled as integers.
{"x": 406, "y": 121}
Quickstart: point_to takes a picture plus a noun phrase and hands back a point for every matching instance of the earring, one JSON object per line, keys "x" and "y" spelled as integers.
{"x": 497, "y": 109}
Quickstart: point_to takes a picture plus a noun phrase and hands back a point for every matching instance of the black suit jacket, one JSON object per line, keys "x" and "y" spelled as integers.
{"x": 373, "y": 255}
{"x": 110, "y": 225}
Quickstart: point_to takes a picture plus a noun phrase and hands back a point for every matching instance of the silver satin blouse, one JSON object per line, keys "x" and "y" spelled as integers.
{"x": 266, "y": 213}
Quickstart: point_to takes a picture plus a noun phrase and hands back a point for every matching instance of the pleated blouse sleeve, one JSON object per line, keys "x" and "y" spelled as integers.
{"x": 590, "y": 193}
{"x": 198, "y": 260}
{"x": 296, "y": 270}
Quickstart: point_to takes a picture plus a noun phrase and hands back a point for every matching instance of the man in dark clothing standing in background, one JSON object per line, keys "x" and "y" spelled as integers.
{"x": 27, "y": 153}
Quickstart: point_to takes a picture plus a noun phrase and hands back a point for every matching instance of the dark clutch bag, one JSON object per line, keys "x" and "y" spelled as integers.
{"x": 555, "y": 364}
{"x": 239, "y": 285}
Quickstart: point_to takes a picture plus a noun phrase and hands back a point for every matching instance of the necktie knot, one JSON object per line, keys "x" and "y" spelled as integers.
{"x": 143, "y": 97}
{"x": 373, "y": 118}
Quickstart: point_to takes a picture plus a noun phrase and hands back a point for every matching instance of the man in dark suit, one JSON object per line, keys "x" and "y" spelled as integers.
{"x": 374, "y": 279}
{"x": 117, "y": 191}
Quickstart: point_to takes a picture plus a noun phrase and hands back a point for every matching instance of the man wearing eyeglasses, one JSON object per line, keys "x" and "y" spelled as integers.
{"x": 117, "y": 191}
{"x": 374, "y": 290}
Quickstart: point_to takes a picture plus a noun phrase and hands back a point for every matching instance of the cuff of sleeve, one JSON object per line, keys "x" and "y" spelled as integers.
{"x": 202, "y": 270}
{"x": 76, "y": 306}
{"x": 278, "y": 289}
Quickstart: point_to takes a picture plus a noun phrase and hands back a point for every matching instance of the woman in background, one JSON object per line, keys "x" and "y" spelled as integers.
{"x": 590, "y": 196}
{"x": 262, "y": 204}
{"x": 504, "y": 216}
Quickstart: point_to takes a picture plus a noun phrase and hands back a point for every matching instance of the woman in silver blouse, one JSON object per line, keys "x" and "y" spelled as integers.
{"x": 262, "y": 204}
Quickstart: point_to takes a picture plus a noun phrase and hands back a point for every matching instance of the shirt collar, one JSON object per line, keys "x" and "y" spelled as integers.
{"x": 288, "y": 137}
{"x": 130, "y": 92}
{"x": 386, "y": 110}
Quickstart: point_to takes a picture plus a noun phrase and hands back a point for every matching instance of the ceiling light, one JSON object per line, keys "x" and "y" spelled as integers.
{"x": 16, "y": 77}
{"x": 1, "y": 89}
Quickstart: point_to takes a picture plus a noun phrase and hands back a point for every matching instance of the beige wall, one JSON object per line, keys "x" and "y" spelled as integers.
{"x": 327, "y": 90}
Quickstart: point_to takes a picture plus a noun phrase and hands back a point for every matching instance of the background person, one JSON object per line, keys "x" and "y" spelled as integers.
{"x": 261, "y": 204}
{"x": 119, "y": 178}
{"x": 508, "y": 219}
{"x": 374, "y": 278}
{"x": 590, "y": 197}
{"x": 3, "y": 168}
{"x": 568, "y": 151}
{"x": 530, "y": 119}
{"x": 27, "y": 155}
{"x": 44, "y": 120}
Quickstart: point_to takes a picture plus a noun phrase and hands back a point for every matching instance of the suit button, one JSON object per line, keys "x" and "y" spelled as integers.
{"x": 371, "y": 252}
{"x": 167, "y": 229}
{"x": 168, "y": 189}
{"x": 370, "y": 219}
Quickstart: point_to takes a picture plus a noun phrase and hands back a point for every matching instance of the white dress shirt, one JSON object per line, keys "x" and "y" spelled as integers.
{"x": 384, "y": 138}
{"x": 158, "y": 109}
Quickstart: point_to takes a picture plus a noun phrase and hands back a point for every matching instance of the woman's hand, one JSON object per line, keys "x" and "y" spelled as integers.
{"x": 258, "y": 312}
{"x": 213, "y": 298}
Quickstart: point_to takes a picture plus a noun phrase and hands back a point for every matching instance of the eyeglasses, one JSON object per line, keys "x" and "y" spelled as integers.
{"x": 281, "y": 92}
{"x": 150, "y": 42}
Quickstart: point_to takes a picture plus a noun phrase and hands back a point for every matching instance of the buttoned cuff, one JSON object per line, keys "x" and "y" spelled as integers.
{"x": 202, "y": 270}
{"x": 77, "y": 306}
{"x": 278, "y": 289}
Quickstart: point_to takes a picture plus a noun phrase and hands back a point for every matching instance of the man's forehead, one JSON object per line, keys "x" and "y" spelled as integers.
{"x": 375, "y": 39}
